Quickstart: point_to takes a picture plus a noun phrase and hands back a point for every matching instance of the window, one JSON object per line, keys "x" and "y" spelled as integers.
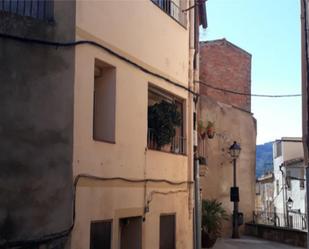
{"x": 101, "y": 235}
{"x": 42, "y": 9}
{"x": 173, "y": 8}
{"x": 288, "y": 180}
{"x": 302, "y": 178}
{"x": 277, "y": 187}
{"x": 167, "y": 231}
{"x": 278, "y": 149}
{"x": 104, "y": 111}
{"x": 165, "y": 122}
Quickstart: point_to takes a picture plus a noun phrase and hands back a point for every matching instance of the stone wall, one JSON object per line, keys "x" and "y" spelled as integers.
{"x": 36, "y": 125}
{"x": 280, "y": 234}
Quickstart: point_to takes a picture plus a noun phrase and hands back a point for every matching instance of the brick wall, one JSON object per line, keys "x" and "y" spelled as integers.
{"x": 226, "y": 66}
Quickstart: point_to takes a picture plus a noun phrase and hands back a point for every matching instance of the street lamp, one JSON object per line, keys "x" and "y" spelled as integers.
{"x": 234, "y": 151}
{"x": 289, "y": 205}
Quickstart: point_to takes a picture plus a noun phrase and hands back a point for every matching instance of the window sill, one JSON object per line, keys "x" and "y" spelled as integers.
{"x": 167, "y": 152}
{"x": 103, "y": 141}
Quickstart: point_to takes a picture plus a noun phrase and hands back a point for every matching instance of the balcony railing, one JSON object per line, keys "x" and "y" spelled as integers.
{"x": 177, "y": 146}
{"x": 296, "y": 220}
{"x": 172, "y": 9}
{"x": 39, "y": 9}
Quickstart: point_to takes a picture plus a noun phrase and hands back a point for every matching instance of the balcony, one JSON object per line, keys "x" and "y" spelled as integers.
{"x": 177, "y": 145}
{"x": 43, "y": 10}
{"x": 173, "y": 10}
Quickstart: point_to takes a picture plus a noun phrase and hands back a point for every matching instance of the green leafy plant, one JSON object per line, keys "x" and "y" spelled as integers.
{"x": 210, "y": 129}
{"x": 163, "y": 117}
{"x": 213, "y": 214}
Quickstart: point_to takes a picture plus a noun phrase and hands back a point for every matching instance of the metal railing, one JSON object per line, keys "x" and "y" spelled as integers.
{"x": 295, "y": 220}
{"x": 39, "y": 9}
{"x": 177, "y": 145}
{"x": 172, "y": 9}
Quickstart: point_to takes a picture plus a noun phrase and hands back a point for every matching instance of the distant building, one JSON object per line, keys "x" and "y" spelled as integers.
{"x": 226, "y": 66}
{"x": 289, "y": 182}
{"x": 264, "y": 192}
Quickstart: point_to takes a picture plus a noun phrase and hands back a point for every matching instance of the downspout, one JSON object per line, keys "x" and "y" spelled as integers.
{"x": 198, "y": 207}
{"x": 305, "y": 99}
{"x": 191, "y": 115}
{"x": 284, "y": 195}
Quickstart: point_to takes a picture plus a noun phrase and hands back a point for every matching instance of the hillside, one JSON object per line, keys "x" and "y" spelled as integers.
{"x": 264, "y": 158}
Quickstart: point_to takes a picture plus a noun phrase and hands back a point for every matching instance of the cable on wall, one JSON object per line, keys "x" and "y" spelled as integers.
{"x": 95, "y": 44}
{"x": 54, "y": 236}
{"x": 247, "y": 94}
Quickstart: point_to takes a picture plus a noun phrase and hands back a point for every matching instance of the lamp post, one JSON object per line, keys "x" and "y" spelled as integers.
{"x": 289, "y": 205}
{"x": 234, "y": 151}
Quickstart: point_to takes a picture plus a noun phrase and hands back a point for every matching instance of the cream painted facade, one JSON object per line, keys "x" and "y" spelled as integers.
{"x": 232, "y": 124}
{"x": 143, "y": 33}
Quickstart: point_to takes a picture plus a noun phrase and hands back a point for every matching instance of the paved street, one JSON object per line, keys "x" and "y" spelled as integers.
{"x": 250, "y": 243}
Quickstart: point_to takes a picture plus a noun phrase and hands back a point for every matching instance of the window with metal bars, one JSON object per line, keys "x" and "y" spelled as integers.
{"x": 39, "y": 9}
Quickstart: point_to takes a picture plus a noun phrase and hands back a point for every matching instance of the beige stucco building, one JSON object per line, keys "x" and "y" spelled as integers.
{"x": 119, "y": 59}
{"x": 138, "y": 213}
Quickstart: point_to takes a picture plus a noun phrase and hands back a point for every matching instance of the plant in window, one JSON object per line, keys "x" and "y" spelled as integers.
{"x": 163, "y": 117}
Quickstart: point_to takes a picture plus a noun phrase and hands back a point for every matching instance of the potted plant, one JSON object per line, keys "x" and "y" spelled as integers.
{"x": 212, "y": 216}
{"x": 201, "y": 129}
{"x": 163, "y": 117}
{"x": 210, "y": 129}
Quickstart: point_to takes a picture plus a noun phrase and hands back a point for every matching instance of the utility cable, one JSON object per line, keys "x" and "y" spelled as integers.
{"x": 246, "y": 94}
{"x": 95, "y": 44}
{"x": 54, "y": 236}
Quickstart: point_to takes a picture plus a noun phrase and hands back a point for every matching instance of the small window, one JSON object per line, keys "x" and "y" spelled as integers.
{"x": 278, "y": 149}
{"x": 101, "y": 235}
{"x": 288, "y": 180}
{"x": 167, "y": 231}
{"x": 277, "y": 187}
{"x": 302, "y": 178}
{"x": 104, "y": 112}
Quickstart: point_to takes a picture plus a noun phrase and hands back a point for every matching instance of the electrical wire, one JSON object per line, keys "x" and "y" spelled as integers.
{"x": 95, "y": 44}
{"x": 66, "y": 232}
{"x": 152, "y": 193}
{"x": 246, "y": 94}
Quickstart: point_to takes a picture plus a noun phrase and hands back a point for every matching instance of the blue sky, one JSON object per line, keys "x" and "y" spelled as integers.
{"x": 270, "y": 31}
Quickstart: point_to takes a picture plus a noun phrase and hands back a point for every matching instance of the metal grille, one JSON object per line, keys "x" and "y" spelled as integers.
{"x": 172, "y": 9}
{"x": 39, "y": 9}
{"x": 177, "y": 145}
{"x": 296, "y": 220}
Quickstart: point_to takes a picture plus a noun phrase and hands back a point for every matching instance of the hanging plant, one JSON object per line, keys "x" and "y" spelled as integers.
{"x": 163, "y": 117}
{"x": 201, "y": 129}
{"x": 210, "y": 129}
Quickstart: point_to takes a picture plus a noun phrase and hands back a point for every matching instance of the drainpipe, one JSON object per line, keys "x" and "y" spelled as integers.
{"x": 305, "y": 94}
{"x": 284, "y": 197}
{"x": 194, "y": 43}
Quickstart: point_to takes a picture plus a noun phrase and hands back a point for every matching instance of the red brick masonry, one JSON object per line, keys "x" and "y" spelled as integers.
{"x": 224, "y": 65}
